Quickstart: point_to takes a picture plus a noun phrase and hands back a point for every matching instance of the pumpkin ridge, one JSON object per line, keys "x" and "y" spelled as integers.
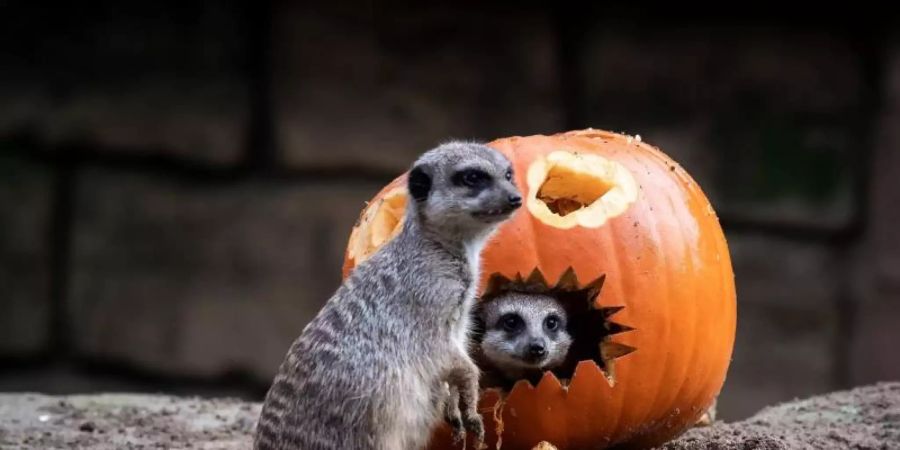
{"x": 694, "y": 344}
{"x": 665, "y": 287}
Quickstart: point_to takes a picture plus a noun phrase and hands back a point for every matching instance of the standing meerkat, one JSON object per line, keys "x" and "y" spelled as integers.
{"x": 372, "y": 369}
{"x": 524, "y": 335}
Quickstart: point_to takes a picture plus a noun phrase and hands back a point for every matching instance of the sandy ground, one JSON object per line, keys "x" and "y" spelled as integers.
{"x": 122, "y": 421}
{"x": 863, "y": 418}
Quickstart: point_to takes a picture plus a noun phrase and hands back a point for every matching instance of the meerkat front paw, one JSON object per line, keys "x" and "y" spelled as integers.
{"x": 463, "y": 380}
{"x": 458, "y": 433}
{"x": 453, "y": 416}
{"x": 456, "y": 425}
{"x": 474, "y": 424}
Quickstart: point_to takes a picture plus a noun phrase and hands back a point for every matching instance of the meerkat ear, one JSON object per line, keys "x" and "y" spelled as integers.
{"x": 419, "y": 184}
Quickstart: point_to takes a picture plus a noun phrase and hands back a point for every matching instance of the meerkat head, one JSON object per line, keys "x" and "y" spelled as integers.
{"x": 462, "y": 189}
{"x": 524, "y": 332}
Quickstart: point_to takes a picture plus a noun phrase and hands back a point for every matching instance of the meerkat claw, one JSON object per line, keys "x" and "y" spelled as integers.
{"x": 459, "y": 434}
{"x": 475, "y": 425}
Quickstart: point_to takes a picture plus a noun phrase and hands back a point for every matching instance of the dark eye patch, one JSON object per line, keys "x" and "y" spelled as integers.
{"x": 552, "y": 323}
{"x": 472, "y": 178}
{"x": 508, "y": 174}
{"x": 511, "y": 322}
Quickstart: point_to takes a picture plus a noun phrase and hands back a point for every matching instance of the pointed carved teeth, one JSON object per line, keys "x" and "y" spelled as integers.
{"x": 568, "y": 281}
{"x": 615, "y": 328}
{"x": 592, "y": 289}
{"x": 536, "y": 279}
{"x": 608, "y": 311}
{"x": 612, "y": 350}
{"x": 500, "y": 278}
{"x": 497, "y": 283}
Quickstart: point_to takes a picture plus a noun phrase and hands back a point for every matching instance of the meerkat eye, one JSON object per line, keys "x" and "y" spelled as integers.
{"x": 511, "y": 322}
{"x": 551, "y": 323}
{"x": 472, "y": 178}
{"x": 508, "y": 175}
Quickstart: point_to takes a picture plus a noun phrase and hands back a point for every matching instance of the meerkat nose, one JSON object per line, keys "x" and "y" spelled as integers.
{"x": 515, "y": 200}
{"x": 537, "y": 350}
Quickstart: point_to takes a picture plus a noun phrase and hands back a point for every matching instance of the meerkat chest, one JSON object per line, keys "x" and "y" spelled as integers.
{"x": 460, "y": 319}
{"x": 462, "y": 307}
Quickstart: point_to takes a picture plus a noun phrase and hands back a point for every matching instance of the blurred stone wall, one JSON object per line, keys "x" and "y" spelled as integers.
{"x": 177, "y": 180}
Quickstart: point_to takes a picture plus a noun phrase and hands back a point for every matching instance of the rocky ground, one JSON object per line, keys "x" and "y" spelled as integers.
{"x": 863, "y": 418}
{"x": 122, "y": 421}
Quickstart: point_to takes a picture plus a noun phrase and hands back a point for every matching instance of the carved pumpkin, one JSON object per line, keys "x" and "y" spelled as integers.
{"x": 614, "y": 227}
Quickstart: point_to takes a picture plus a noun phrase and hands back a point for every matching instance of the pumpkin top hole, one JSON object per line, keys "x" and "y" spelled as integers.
{"x": 566, "y": 190}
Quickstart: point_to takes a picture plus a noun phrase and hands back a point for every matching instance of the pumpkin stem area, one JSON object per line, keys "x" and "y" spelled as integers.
{"x": 589, "y": 325}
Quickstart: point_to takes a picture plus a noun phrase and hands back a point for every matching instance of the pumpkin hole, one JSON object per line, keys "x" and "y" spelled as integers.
{"x": 590, "y": 325}
{"x": 379, "y": 224}
{"x": 388, "y": 219}
{"x": 568, "y": 189}
{"x": 565, "y": 190}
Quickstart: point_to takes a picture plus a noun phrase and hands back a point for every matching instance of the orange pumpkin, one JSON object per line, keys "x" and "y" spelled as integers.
{"x": 615, "y": 222}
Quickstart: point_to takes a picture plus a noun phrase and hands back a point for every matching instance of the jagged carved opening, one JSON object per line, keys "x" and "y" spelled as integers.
{"x": 591, "y": 325}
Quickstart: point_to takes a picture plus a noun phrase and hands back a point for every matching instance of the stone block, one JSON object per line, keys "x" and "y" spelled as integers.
{"x": 760, "y": 117}
{"x": 129, "y": 78}
{"x": 202, "y": 280}
{"x": 26, "y": 199}
{"x": 374, "y": 89}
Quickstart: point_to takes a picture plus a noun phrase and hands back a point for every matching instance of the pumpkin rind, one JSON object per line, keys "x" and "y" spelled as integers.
{"x": 666, "y": 262}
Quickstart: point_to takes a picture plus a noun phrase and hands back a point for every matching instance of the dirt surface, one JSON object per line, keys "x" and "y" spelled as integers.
{"x": 114, "y": 421}
{"x": 864, "y": 418}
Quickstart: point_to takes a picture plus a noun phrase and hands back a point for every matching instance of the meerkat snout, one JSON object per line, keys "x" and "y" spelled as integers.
{"x": 514, "y": 200}
{"x": 537, "y": 351}
{"x": 524, "y": 334}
